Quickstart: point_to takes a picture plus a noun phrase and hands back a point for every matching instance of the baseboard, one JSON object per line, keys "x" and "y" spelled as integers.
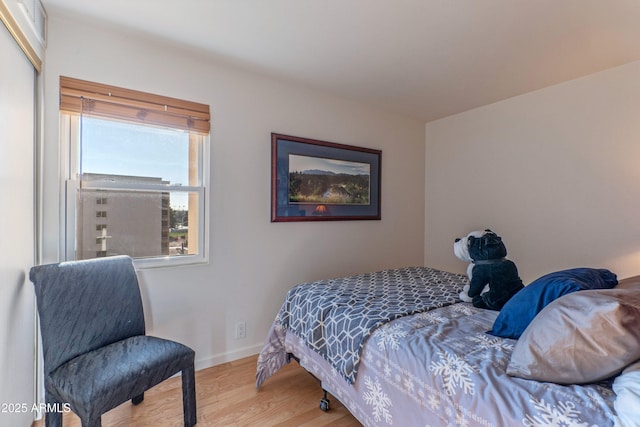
{"x": 229, "y": 356}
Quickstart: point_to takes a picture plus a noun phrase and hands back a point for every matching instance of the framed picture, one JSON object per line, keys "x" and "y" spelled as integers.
{"x": 323, "y": 181}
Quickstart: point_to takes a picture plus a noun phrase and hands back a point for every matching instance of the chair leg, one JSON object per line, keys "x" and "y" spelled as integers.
{"x": 92, "y": 422}
{"x": 52, "y": 418}
{"x": 189, "y": 396}
{"x": 137, "y": 399}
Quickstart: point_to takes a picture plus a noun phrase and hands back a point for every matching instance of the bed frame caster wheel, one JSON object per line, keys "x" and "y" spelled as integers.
{"x": 324, "y": 402}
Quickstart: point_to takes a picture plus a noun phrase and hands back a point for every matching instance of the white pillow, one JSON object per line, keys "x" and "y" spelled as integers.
{"x": 627, "y": 404}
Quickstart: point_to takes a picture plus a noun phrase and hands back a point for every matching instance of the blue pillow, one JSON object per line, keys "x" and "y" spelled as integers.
{"x": 520, "y": 310}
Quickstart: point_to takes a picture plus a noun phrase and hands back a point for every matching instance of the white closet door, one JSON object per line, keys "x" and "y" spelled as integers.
{"x": 17, "y": 88}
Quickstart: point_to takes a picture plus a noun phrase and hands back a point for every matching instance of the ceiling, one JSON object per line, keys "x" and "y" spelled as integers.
{"x": 421, "y": 58}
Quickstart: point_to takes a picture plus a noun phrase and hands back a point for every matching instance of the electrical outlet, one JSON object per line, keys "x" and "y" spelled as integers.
{"x": 241, "y": 330}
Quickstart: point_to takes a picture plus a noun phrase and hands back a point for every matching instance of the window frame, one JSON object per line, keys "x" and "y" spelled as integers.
{"x": 70, "y": 185}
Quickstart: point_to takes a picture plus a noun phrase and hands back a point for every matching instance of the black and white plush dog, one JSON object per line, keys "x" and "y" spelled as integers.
{"x": 493, "y": 279}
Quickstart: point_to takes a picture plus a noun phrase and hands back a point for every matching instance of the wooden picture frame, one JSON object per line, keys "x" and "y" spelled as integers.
{"x": 315, "y": 180}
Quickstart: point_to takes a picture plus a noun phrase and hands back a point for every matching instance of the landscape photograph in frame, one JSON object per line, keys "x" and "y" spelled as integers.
{"x": 313, "y": 180}
{"x": 328, "y": 181}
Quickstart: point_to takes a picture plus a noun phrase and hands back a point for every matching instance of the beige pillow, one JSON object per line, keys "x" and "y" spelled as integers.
{"x": 582, "y": 337}
{"x": 629, "y": 283}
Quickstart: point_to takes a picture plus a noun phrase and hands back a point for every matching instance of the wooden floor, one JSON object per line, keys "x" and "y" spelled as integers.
{"x": 227, "y": 396}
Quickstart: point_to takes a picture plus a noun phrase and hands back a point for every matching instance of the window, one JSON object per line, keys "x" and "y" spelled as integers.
{"x": 137, "y": 172}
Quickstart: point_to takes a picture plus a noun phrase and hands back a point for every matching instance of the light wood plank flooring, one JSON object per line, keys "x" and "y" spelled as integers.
{"x": 226, "y": 396}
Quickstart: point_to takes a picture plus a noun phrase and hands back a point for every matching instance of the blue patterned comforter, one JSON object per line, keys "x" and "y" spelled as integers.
{"x": 335, "y": 317}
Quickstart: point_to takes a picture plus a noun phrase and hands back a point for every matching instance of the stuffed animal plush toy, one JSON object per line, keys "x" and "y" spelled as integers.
{"x": 493, "y": 279}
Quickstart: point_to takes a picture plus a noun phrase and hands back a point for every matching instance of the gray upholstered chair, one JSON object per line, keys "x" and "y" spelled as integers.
{"x": 96, "y": 353}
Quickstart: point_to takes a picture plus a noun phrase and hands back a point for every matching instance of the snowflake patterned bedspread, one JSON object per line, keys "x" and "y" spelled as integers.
{"x": 441, "y": 368}
{"x": 335, "y": 317}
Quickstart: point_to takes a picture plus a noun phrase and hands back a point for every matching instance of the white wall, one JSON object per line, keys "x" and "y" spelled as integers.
{"x": 555, "y": 172}
{"x": 17, "y": 306}
{"x": 253, "y": 261}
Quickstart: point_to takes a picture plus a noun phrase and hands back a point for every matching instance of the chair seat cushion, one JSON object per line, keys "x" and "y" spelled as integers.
{"x": 95, "y": 382}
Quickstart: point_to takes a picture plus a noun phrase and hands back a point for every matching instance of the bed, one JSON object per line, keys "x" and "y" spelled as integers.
{"x": 397, "y": 347}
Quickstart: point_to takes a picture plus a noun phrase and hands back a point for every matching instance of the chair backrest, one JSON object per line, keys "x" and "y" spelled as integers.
{"x": 85, "y": 305}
